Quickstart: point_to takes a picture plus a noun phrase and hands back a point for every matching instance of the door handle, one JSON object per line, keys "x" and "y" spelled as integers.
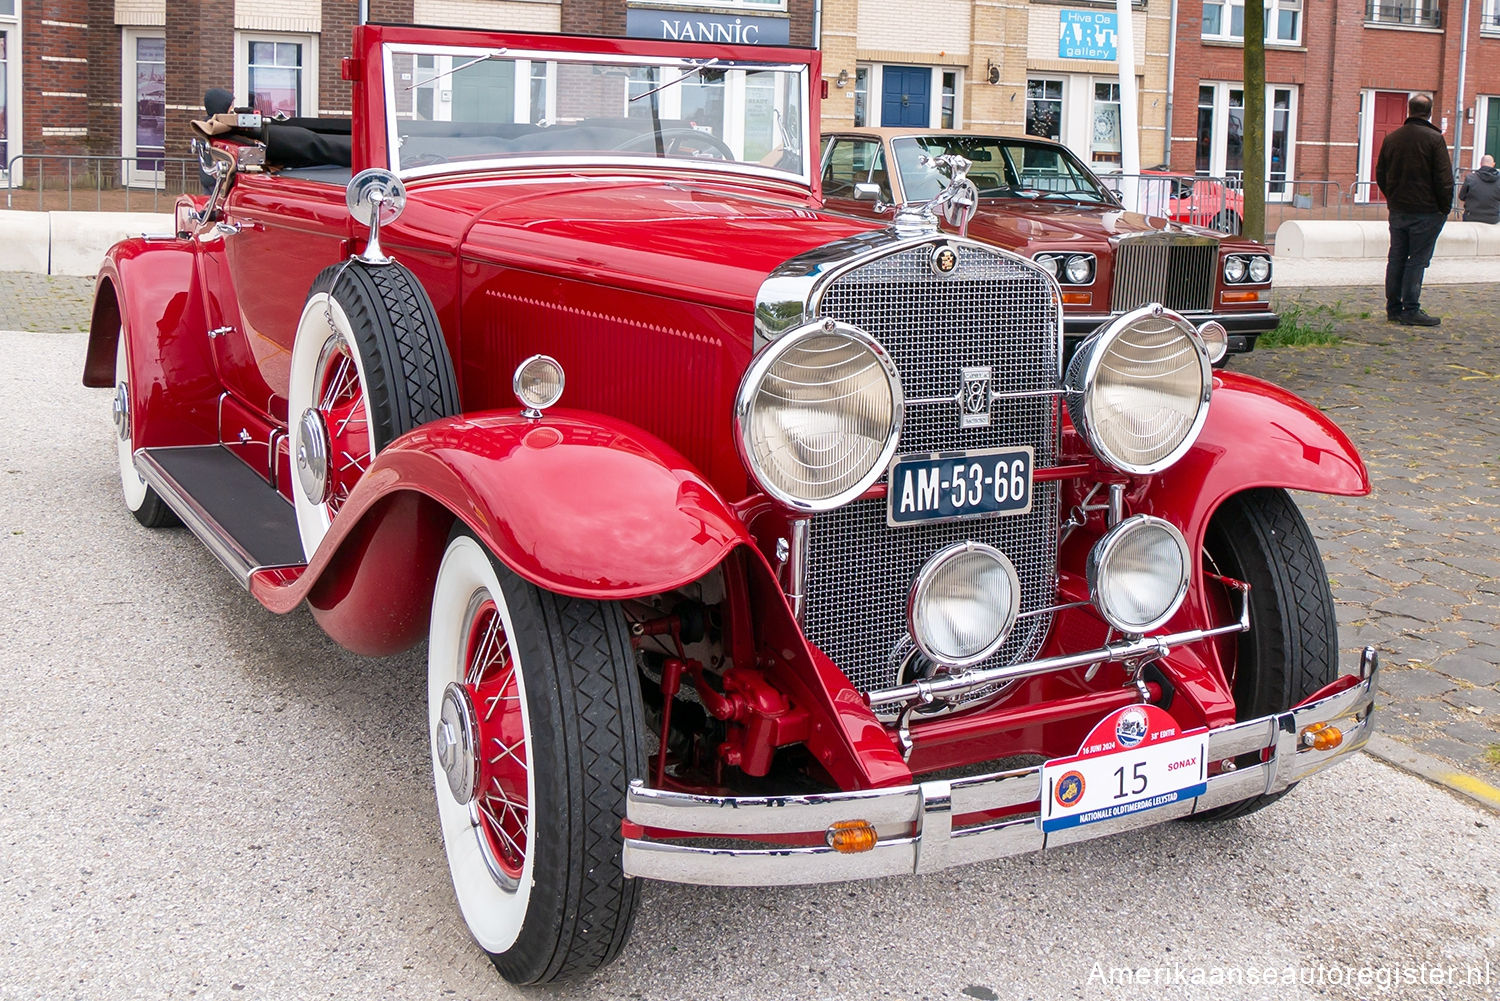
{"x": 227, "y": 228}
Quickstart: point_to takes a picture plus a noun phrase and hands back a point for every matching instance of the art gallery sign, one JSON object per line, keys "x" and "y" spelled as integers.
{"x": 729, "y": 21}
{"x": 1087, "y": 34}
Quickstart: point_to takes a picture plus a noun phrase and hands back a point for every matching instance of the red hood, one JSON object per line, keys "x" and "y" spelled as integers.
{"x": 665, "y": 237}
{"x": 1027, "y": 226}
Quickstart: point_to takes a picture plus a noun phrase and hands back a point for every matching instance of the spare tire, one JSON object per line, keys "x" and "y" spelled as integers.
{"x": 368, "y": 364}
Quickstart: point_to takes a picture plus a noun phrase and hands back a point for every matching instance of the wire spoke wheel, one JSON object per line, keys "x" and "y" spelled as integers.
{"x": 535, "y": 717}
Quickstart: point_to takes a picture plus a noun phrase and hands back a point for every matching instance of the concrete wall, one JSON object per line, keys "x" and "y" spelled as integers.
{"x": 69, "y": 243}
{"x": 1360, "y": 239}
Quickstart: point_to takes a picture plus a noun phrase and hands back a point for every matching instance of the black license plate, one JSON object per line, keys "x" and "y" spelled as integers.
{"x": 950, "y": 485}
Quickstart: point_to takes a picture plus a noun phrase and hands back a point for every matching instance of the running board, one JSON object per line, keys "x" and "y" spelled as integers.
{"x": 239, "y": 516}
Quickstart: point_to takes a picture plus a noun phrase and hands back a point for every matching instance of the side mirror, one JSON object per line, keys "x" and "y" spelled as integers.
{"x": 375, "y": 197}
{"x": 867, "y": 192}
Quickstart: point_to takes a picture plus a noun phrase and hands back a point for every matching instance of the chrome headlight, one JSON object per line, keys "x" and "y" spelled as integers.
{"x": 1080, "y": 269}
{"x": 1138, "y": 388}
{"x": 1260, "y": 269}
{"x": 963, "y": 604}
{"x": 1215, "y": 340}
{"x": 1050, "y": 263}
{"x": 818, "y": 415}
{"x": 1138, "y": 573}
{"x": 1235, "y": 269}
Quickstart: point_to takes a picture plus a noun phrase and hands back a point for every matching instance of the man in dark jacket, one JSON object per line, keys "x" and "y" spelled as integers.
{"x": 1416, "y": 177}
{"x": 1481, "y": 193}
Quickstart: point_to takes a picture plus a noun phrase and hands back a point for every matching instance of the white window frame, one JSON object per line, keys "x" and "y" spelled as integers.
{"x": 1373, "y": 14}
{"x": 1489, "y": 18}
{"x": 1218, "y": 156}
{"x": 873, "y": 96}
{"x": 1273, "y": 21}
{"x": 762, "y": 6}
{"x": 309, "y": 43}
{"x": 134, "y": 177}
{"x": 11, "y": 26}
{"x": 1061, "y": 79}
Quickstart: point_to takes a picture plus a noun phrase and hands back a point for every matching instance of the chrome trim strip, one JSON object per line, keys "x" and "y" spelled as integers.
{"x": 925, "y": 838}
{"x": 225, "y": 548}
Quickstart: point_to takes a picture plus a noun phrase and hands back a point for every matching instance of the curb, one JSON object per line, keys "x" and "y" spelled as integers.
{"x": 1439, "y": 773}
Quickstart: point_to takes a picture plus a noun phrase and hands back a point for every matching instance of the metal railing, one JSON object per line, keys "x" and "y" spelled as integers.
{"x": 1417, "y": 15}
{"x": 73, "y": 181}
{"x": 1218, "y": 202}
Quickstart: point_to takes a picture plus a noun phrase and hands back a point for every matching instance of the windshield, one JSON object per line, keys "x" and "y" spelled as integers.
{"x": 999, "y": 168}
{"x": 453, "y": 108}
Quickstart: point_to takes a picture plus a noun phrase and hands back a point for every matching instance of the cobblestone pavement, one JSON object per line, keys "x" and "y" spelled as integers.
{"x": 1416, "y": 565}
{"x": 38, "y": 302}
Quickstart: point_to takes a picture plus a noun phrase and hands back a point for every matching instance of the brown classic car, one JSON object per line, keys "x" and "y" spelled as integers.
{"x": 1038, "y": 200}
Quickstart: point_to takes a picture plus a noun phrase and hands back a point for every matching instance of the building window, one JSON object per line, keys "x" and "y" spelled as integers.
{"x": 1225, "y": 20}
{"x": 1489, "y": 18}
{"x": 1411, "y": 13}
{"x": 1044, "y": 108}
{"x": 1104, "y": 140}
{"x": 1220, "y": 149}
{"x": 950, "y": 99}
{"x": 278, "y": 74}
{"x": 861, "y": 95}
{"x": 145, "y": 106}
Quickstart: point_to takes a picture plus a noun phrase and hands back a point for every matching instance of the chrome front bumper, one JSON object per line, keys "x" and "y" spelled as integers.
{"x": 915, "y": 822}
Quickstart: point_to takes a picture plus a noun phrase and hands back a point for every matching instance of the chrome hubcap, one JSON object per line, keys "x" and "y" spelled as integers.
{"x": 455, "y": 742}
{"x": 312, "y": 456}
{"x": 120, "y": 411}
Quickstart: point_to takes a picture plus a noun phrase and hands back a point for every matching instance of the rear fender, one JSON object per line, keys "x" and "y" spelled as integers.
{"x": 148, "y": 287}
{"x": 578, "y": 504}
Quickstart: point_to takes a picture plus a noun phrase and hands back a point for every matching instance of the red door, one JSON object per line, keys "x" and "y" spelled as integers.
{"x": 1390, "y": 114}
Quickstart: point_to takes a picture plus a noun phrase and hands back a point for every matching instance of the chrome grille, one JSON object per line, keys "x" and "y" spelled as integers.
{"x": 995, "y": 312}
{"x": 1177, "y": 271}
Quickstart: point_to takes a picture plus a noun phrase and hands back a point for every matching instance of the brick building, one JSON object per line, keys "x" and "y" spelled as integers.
{"x": 121, "y": 78}
{"x": 1337, "y": 79}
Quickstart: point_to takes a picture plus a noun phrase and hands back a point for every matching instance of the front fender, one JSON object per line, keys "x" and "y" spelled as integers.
{"x": 1257, "y": 435}
{"x": 578, "y": 504}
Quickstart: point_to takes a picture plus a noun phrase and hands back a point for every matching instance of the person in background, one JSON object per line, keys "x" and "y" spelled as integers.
{"x": 1481, "y": 193}
{"x": 216, "y": 101}
{"x": 1415, "y": 175}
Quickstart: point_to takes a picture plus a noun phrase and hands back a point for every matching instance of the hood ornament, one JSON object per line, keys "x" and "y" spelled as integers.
{"x": 957, "y": 201}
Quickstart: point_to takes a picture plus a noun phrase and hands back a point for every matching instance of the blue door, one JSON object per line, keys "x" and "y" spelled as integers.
{"x": 905, "y": 95}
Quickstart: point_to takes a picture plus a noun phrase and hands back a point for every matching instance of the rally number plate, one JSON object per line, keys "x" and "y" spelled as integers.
{"x": 1106, "y": 780}
{"x": 947, "y": 486}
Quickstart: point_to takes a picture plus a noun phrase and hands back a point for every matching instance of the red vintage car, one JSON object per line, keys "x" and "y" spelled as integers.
{"x": 1039, "y": 200}
{"x": 751, "y": 543}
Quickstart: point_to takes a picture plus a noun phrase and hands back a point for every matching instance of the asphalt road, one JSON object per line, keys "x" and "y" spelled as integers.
{"x": 201, "y": 799}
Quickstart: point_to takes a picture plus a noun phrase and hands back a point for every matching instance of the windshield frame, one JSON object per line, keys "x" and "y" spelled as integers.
{"x": 675, "y": 68}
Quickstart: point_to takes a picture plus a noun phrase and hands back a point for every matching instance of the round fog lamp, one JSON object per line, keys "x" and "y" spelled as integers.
{"x": 1080, "y": 269}
{"x": 1234, "y": 270}
{"x": 538, "y": 384}
{"x": 963, "y": 604}
{"x": 1215, "y": 340}
{"x": 1260, "y": 269}
{"x": 1138, "y": 573}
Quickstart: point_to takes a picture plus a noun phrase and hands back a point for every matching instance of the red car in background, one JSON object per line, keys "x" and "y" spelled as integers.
{"x": 751, "y": 543}
{"x": 1187, "y": 198}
